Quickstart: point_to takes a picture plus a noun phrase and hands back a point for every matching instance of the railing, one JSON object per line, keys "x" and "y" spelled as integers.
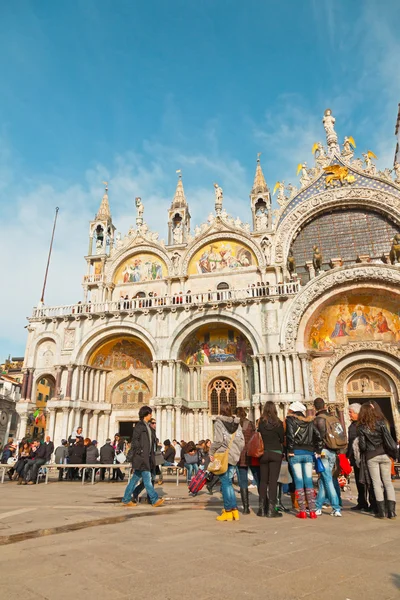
{"x": 177, "y": 300}
{"x": 93, "y": 278}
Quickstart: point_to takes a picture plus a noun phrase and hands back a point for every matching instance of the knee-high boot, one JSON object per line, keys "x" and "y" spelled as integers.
{"x": 244, "y": 494}
{"x": 310, "y": 494}
{"x": 262, "y": 507}
{"x": 301, "y": 499}
{"x": 279, "y": 504}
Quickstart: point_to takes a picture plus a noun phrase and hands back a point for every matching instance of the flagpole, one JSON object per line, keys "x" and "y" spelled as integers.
{"x": 48, "y": 258}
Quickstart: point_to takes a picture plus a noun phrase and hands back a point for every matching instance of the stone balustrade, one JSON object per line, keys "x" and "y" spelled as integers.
{"x": 170, "y": 302}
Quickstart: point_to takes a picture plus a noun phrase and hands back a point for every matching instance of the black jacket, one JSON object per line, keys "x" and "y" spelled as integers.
{"x": 92, "y": 454}
{"x": 143, "y": 458}
{"x": 169, "y": 454}
{"x": 302, "y": 434}
{"x": 351, "y": 436}
{"x": 272, "y": 435}
{"x": 41, "y": 452}
{"x": 107, "y": 454}
{"x": 377, "y": 441}
{"x": 49, "y": 449}
{"x": 77, "y": 454}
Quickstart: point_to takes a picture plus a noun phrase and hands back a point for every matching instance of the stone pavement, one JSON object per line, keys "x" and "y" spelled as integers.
{"x": 66, "y": 540}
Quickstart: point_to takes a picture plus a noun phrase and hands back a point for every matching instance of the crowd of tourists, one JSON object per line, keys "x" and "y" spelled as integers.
{"x": 278, "y": 457}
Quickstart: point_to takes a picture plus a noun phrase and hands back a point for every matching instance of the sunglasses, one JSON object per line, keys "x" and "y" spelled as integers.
{"x": 152, "y": 422}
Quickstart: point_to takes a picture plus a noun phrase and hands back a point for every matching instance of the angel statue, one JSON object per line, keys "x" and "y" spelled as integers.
{"x": 139, "y": 207}
{"x": 329, "y": 126}
{"x": 281, "y": 198}
{"x": 292, "y": 189}
{"x": 219, "y": 196}
{"x": 304, "y": 178}
{"x": 396, "y": 168}
{"x": 349, "y": 146}
{"x": 321, "y": 159}
{"x": 369, "y": 165}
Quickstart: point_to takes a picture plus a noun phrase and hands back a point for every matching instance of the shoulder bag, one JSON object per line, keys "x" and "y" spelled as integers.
{"x": 220, "y": 464}
{"x": 255, "y": 447}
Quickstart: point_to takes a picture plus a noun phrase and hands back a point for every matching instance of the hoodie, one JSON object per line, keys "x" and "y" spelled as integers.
{"x": 224, "y": 428}
{"x": 272, "y": 435}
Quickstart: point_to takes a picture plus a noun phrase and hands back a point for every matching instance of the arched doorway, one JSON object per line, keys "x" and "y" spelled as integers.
{"x": 220, "y": 390}
{"x": 367, "y": 385}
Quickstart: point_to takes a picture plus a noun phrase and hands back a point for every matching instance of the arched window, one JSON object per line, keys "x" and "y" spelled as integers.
{"x": 221, "y": 390}
{"x": 223, "y": 286}
{"x": 140, "y": 397}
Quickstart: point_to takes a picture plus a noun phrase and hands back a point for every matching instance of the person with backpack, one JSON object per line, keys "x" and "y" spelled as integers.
{"x": 244, "y": 460}
{"x": 333, "y": 439}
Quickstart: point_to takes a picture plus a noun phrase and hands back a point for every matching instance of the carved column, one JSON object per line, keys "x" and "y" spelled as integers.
{"x": 282, "y": 374}
{"x": 154, "y": 365}
{"x": 70, "y": 422}
{"x": 85, "y": 423}
{"x": 69, "y": 383}
{"x": 64, "y": 424}
{"x": 270, "y": 377}
{"x": 169, "y": 422}
{"x": 103, "y": 386}
{"x": 199, "y": 389}
{"x": 200, "y": 425}
{"x": 191, "y": 425}
{"x": 178, "y": 425}
{"x": 30, "y": 384}
{"x": 24, "y": 388}
{"x": 256, "y": 375}
{"x": 170, "y": 378}
{"x": 298, "y": 384}
{"x": 88, "y": 370}
{"x": 78, "y": 420}
{"x": 178, "y": 375}
{"x": 196, "y": 425}
{"x": 23, "y": 423}
{"x": 159, "y": 378}
{"x": 91, "y": 386}
{"x": 263, "y": 382}
{"x": 205, "y": 424}
{"x": 94, "y": 424}
{"x": 58, "y": 381}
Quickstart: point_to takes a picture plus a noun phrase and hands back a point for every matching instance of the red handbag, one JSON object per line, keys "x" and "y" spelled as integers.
{"x": 255, "y": 447}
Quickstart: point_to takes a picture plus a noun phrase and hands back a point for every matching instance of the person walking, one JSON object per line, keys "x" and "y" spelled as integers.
{"x": 244, "y": 461}
{"x": 377, "y": 446}
{"x": 143, "y": 459}
{"x": 228, "y": 437}
{"x": 271, "y": 429}
{"x": 302, "y": 441}
{"x": 118, "y": 445}
{"x": 326, "y": 488}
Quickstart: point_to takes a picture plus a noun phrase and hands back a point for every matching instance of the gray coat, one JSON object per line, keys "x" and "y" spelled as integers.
{"x": 61, "y": 454}
{"x": 224, "y": 428}
{"x": 92, "y": 454}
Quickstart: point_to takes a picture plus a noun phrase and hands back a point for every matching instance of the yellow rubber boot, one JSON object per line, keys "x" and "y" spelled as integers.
{"x": 235, "y": 514}
{"x": 225, "y": 516}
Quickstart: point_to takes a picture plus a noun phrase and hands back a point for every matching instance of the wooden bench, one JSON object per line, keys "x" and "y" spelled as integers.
{"x": 46, "y": 468}
{"x": 174, "y": 468}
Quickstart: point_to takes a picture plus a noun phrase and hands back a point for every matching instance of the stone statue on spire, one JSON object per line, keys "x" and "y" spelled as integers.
{"x": 219, "y": 196}
{"x": 140, "y": 209}
{"x": 331, "y": 135}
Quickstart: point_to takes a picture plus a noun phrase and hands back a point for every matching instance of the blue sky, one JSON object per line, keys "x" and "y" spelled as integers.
{"x": 130, "y": 91}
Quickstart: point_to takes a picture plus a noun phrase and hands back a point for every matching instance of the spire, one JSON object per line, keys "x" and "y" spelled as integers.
{"x": 179, "y": 200}
{"x": 104, "y": 210}
{"x": 259, "y": 185}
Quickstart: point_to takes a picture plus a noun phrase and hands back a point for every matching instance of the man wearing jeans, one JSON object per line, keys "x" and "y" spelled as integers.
{"x": 326, "y": 487}
{"x": 143, "y": 459}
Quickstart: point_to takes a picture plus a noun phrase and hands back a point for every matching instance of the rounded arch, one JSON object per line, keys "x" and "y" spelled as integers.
{"x": 125, "y": 254}
{"x": 129, "y": 390}
{"x": 218, "y": 237}
{"x": 191, "y": 324}
{"x": 315, "y": 292}
{"x": 99, "y": 336}
{"x": 221, "y": 389}
{"x": 377, "y": 200}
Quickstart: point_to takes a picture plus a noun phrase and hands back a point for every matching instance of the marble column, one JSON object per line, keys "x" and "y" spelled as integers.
{"x": 64, "y": 424}
{"x": 178, "y": 376}
{"x": 270, "y": 377}
{"x": 191, "y": 426}
{"x": 191, "y": 385}
{"x": 275, "y": 370}
{"x": 58, "y": 381}
{"x": 106, "y": 431}
{"x": 98, "y": 386}
{"x": 30, "y": 384}
{"x": 205, "y": 424}
{"x": 94, "y": 425}
{"x": 304, "y": 370}
{"x": 24, "y": 388}
{"x": 178, "y": 424}
{"x": 256, "y": 375}
{"x": 263, "y": 382}
{"x": 282, "y": 373}
{"x": 69, "y": 383}
{"x": 257, "y": 411}
{"x": 52, "y": 422}
{"x": 196, "y": 425}
{"x": 289, "y": 371}
{"x": 169, "y": 423}
{"x": 170, "y": 378}
{"x": 78, "y": 420}
{"x": 154, "y": 365}
{"x": 102, "y": 388}
{"x": 200, "y": 424}
{"x": 298, "y": 384}
{"x": 88, "y": 370}
{"x": 23, "y": 423}
{"x": 85, "y": 423}
{"x": 159, "y": 378}
{"x": 81, "y": 370}
{"x": 71, "y": 421}
{"x": 199, "y": 394}
{"x": 91, "y": 386}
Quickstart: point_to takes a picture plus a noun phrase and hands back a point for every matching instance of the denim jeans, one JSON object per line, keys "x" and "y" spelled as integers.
{"x": 136, "y": 477}
{"x": 302, "y": 465}
{"x": 326, "y": 487}
{"x": 243, "y": 477}
{"x": 191, "y": 471}
{"x": 336, "y": 485}
{"x": 228, "y": 493}
{"x": 379, "y": 468}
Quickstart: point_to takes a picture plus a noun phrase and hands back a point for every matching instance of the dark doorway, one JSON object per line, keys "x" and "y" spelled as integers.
{"x": 126, "y": 429}
{"x": 385, "y": 406}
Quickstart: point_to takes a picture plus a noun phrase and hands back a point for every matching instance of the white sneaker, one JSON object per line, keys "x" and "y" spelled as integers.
{"x": 318, "y": 512}
{"x": 336, "y": 513}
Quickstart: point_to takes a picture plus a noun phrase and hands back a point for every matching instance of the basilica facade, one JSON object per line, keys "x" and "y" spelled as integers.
{"x": 302, "y": 302}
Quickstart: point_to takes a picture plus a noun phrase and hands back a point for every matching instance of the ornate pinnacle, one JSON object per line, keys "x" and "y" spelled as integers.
{"x": 259, "y": 185}
{"x": 179, "y": 199}
{"x": 104, "y": 210}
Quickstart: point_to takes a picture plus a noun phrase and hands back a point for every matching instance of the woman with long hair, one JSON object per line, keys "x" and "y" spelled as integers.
{"x": 376, "y": 446}
{"x": 23, "y": 456}
{"x": 303, "y": 441}
{"x": 243, "y": 464}
{"x": 272, "y": 433}
{"x": 228, "y": 436}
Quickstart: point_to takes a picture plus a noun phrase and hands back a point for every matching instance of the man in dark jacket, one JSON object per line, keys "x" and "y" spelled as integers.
{"x": 49, "y": 445}
{"x": 107, "y": 455}
{"x": 38, "y": 458}
{"x": 143, "y": 459}
{"x": 362, "y": 503}
{"x": 326, "y": 488}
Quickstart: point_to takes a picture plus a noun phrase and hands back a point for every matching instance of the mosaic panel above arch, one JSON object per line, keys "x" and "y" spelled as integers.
{"x": 140, "y": 268}
{"x": 221, "y": 255}
{"x": 215, "y": 343}
{"x": 352, "y": 317}
{"x": 121, "y": 353}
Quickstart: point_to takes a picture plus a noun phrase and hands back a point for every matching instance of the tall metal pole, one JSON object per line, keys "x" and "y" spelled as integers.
{"x": 48, "y": 259}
